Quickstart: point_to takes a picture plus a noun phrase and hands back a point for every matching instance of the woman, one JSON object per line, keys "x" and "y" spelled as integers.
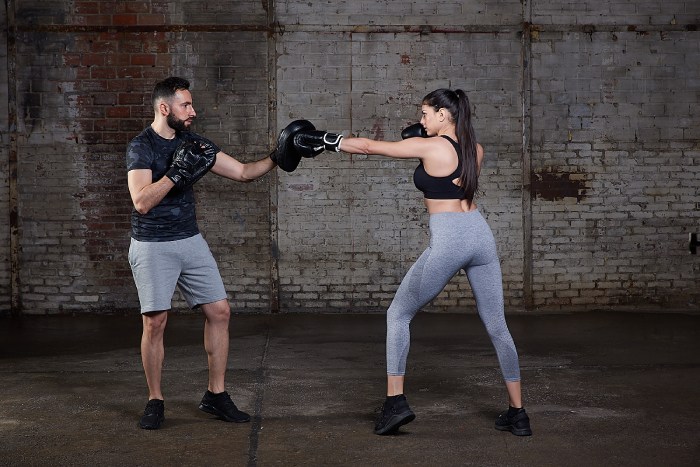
{"x": 460, "y": 238}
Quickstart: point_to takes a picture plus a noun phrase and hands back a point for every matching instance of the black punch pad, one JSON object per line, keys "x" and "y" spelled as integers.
{"x": 287, "y": 155}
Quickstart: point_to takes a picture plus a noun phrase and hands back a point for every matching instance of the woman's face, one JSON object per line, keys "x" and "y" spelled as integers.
{"x": 431, "y": 119}
{"x": 434, "y": 120}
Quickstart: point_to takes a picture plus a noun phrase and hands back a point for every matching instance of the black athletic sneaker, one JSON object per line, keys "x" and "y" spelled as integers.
{"x": 223, "y": 407}
{"x": 518, "y": 423}
{"x": 394, "y": 413}
{"x": 153, "y": 415}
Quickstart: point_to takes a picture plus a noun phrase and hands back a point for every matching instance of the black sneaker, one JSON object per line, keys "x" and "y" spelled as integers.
{"x": 393, "y": 415}
{"x": 518, "y": 423}
{"x": 153, "y": 415}
{"x": 223, "y": 407}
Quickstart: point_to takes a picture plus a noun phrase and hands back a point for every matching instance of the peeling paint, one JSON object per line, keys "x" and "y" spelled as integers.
{"x": 553, "y": 184}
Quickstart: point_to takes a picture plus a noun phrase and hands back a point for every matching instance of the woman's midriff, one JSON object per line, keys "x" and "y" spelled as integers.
{"x": 449, "y": 205}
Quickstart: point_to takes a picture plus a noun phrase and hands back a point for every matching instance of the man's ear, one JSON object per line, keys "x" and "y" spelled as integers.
{"x": 163, "y": 108}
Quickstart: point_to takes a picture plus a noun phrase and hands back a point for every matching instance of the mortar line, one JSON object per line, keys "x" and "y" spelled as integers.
{"x": 256, "y": 422}
{"x": 273, "y": 177}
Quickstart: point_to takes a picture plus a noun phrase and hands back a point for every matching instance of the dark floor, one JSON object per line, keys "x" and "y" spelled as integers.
{"x": 601, "y": 389}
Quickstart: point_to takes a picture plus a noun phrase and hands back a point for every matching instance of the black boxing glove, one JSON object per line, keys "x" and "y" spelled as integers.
{"x": 314, "y": 141}
{"x": 191, "y": 161}
{"x": 414, "y": 131}
{"x": 310, "y": 143}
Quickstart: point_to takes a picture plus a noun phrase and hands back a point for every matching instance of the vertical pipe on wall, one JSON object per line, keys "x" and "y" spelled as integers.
{"x": 526, "y": 103}
{"x": 15, "y": 299}
{"x": 269, "y": 5}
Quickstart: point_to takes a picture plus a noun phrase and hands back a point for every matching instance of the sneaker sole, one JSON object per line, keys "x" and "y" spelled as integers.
{"x": 214, "y": 411}
{"x": 152, "y": 427}
{"x": 515, "y": 431}
{"x": 395, "y": 422}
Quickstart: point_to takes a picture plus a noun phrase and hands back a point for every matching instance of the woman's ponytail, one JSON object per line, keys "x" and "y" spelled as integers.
{"x": 469, "y": 178}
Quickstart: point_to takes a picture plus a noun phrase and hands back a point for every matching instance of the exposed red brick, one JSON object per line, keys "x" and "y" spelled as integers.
{"x": 71, "y": 59}
{"x": 83, "y": 73}
{"x": 155, "y": 73}
{"x": 90, "y": 138}
{"x": 104, "y": 46}
{"x": 116, "y": 138}
{"x": 124, "y": 20}
{"x": 109, "y": 124}
{"x": 143, "y": 59}
{"x": 85, "y": 124}
{"x": 117, "y": 60}
{"x": 101, "y": 72}
{"x": 136, "y": 7}
{"x": 131, "y": 99}
{"x": 128, "y": 72}
{"x": 118, "y": 112}
{"x": 151, "y": 19}
{"x": 131, "y": 46}
{"x": 92, "y": 59}
{"x": 93, "y": 20}
{"x": 130, "y": 126}
{"x": 86, "y": 8}
{"x": 157, "y": 47}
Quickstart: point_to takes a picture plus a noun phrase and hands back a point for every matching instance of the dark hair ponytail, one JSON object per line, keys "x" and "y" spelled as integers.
{"x": 457, "y": 103}
{"x": 469, "y": 178}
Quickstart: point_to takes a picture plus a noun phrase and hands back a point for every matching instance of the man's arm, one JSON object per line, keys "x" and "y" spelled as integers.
{"x": 146, "y": 194}
{"x": 227, "y": 166}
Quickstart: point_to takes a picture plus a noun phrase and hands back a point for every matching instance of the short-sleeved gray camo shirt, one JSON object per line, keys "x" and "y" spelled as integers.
{"x": 174, "y": 218}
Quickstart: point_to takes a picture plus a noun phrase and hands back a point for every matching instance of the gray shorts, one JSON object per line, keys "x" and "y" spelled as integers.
{"x": 188, "y": 264}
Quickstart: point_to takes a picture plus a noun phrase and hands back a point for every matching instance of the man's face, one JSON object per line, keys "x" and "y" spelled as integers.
{"x": 180, "y": 111}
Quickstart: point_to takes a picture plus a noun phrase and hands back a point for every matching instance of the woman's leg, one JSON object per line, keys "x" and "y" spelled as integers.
{"x": 487, "y": 287}
{"x": 488, "y": 291}
{"x": 514, "y": 394}
{"x": 423, "y": 282}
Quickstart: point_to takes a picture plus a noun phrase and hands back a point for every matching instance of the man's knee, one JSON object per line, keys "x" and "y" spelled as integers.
{"x": 217, "y": 312}
{"x": 154, "y": 323}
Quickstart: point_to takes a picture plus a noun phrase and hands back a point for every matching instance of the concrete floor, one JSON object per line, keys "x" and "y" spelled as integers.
{"x": 601, "y": 389}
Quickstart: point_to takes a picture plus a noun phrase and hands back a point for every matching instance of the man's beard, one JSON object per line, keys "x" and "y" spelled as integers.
{"x": 176, "y": 124}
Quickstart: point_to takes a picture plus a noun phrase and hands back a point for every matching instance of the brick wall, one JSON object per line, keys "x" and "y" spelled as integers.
{"x": 586, "y": 111}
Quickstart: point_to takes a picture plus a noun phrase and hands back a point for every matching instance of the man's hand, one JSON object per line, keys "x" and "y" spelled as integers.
{"x": 191, "y": 161}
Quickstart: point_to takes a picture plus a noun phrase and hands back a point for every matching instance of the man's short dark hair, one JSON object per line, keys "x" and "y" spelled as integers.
{"x": 168, "y": 87}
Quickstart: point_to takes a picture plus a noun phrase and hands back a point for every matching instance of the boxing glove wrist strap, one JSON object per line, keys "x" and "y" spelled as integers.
{"x": 332, "y": 141}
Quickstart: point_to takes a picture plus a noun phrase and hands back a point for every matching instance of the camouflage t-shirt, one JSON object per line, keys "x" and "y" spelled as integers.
{"x": 174, "y": 218}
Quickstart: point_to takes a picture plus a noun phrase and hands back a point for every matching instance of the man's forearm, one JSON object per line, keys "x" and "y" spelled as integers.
{"x": 151, "y": 195}
{"x": 255, "y": 170}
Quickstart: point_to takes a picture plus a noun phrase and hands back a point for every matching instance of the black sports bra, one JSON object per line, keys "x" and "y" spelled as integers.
{"x": 440, "y": 187}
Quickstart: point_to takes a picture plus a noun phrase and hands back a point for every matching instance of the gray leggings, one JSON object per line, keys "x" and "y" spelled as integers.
{"x": 458, "y": 240}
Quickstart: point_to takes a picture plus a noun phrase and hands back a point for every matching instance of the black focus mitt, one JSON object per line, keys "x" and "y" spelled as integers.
{"x": 287, "y": 155}
{"x": 191, "y": 161}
